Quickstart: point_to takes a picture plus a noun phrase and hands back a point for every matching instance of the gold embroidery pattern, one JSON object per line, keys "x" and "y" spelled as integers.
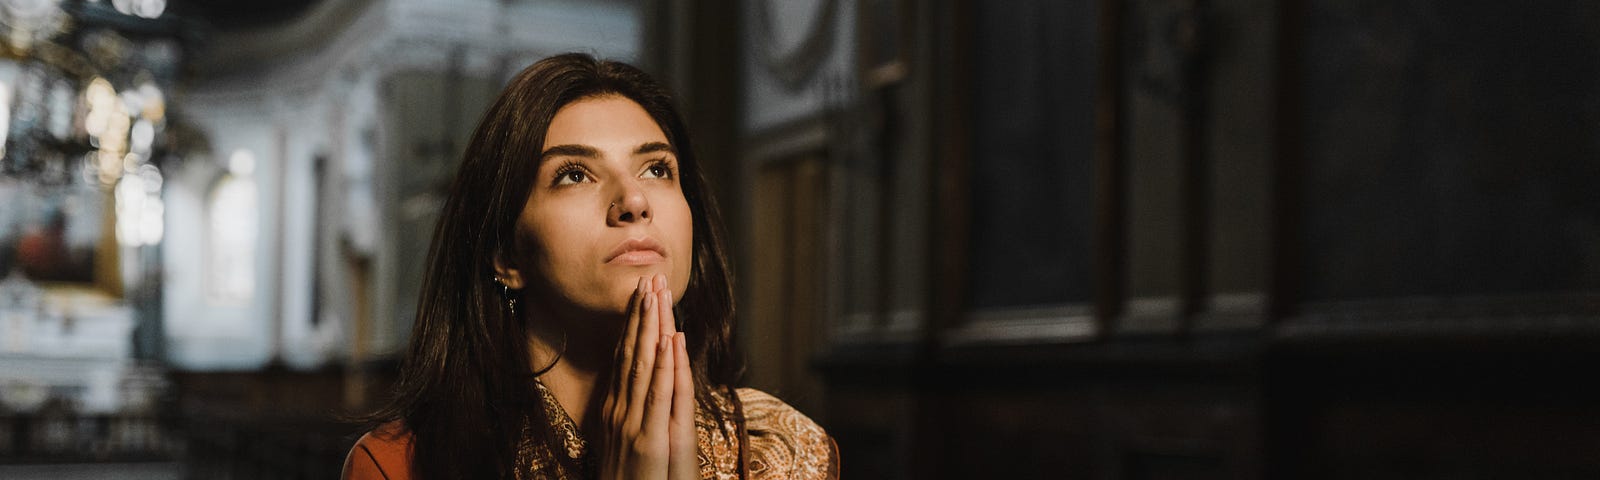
{"x": 784, "y": 444}
{"x": 539, "y": 462}
{"x": 718, "y": 443}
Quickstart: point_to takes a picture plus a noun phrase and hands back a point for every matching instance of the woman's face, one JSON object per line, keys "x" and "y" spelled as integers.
{"x": 606, "y": 209}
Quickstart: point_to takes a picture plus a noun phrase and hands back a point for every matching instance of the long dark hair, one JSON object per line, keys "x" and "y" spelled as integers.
{"x": 465, "y": 384}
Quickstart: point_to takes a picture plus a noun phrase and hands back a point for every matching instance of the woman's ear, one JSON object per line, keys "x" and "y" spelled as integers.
{"x": 505, "y": 273}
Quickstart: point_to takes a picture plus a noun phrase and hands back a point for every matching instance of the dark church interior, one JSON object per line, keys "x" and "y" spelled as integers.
{"x": 1096, "y": 239}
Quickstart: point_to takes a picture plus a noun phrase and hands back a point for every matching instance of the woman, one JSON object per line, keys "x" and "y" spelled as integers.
{"x": 579, "y": 237}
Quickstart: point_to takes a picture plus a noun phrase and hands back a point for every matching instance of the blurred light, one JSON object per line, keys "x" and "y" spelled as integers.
{"x": 130, "y": 203}
{"x": 101, "y": 99}
{"x": 152, "y": 227}
{"x": 132, "y": 100}
{"x": 115, "y": 135}
{"x": 140, "y": 8}
{"x": 110, "y": 166}
{"x": 233, "y": 225}
{"x": 155, "y": 104}
{"x": 144, "y": 134}
{"x": 152, "y": 178}
{"x": 100, "y": 94}
{"x": 30, "y": 21}
{"x": 131, "y": 162}
{"x": 29, "y": 9}
{"x": 140, "y": 210}
{"x": 242, "y": 163}
{"x": 153, "y": 220}
{"x": 5, "y": 115}
{"x": 108, "y": 124}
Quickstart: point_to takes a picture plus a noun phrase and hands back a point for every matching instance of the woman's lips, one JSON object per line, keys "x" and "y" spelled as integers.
{"x": 637, "y": 251}
{"x": 637, "y": 257}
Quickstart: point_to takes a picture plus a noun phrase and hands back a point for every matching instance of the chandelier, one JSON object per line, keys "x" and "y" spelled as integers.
{"x": 82, "y": 87}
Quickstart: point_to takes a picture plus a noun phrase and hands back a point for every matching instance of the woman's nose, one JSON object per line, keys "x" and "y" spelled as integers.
{"x": 628, "y": 206}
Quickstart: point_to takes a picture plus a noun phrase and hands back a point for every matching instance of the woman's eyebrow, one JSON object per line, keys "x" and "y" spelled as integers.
{"x": 584, "y": 151}
{"x": 653, "y": 147}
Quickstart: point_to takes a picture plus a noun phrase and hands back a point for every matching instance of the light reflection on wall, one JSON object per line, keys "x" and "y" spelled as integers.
{"x": 139, "y": 207}
{"x": 231, "y": 239}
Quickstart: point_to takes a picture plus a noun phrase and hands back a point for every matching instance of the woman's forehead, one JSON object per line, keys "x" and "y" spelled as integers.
{"x": 607, "y": 125}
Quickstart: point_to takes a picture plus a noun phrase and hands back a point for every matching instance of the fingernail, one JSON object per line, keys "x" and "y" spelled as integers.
{"x": 661, "y": 281}
{"x": 681, "y": 341}
{"x": 664, "y": 343}
{"x": 649, "y": 301}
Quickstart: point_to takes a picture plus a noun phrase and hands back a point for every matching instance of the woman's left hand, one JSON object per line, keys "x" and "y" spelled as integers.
{"x": 684, "y": 459}
{"x": 649, "y": 410}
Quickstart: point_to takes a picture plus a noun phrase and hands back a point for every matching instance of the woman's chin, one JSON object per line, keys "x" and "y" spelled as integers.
{"x": 620, "y": 298}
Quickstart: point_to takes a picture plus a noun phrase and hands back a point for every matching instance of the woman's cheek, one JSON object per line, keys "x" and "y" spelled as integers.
{"x": 685, "y": 267}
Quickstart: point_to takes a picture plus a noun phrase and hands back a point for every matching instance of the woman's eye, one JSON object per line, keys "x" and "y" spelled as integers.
{"x": 571, "y": 177}
{"x": 658, "y": 171}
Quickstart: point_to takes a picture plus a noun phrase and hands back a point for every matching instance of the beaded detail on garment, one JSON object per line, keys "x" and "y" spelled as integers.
{"x": 783, "y": 442}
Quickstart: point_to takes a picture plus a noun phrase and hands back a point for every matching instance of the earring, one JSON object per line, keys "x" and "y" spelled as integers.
{"x": 505, "y": 293}
{"x": 511, "y": 304}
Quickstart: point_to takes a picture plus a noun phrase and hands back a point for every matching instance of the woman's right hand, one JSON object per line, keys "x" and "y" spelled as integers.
{"x": 651, "y": 395}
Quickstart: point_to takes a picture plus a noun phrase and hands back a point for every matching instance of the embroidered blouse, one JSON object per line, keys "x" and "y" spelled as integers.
{"x": 778, "y": 442}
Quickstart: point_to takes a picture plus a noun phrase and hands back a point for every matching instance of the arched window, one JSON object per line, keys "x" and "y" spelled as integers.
{"x": 231, "y": 227}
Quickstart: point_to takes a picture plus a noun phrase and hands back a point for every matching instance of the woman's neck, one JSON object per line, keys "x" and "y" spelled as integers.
{"x": 577, "y": 362}
{"x": 577, "y": 390}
